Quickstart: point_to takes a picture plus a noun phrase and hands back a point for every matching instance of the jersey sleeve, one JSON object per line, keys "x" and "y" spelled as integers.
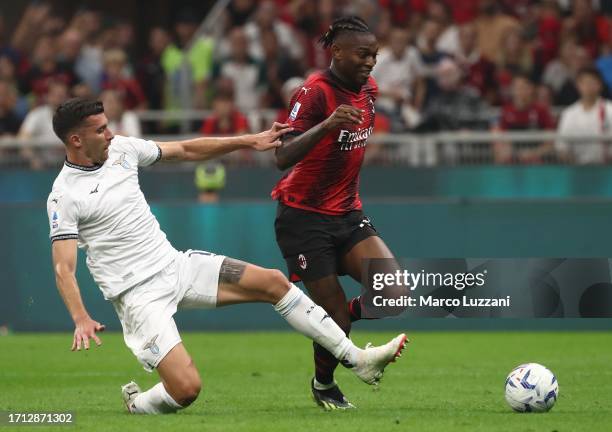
{"x": 147, "y": 152}
{"x": 63, "y": 216}
{"x": 308, "y": 108}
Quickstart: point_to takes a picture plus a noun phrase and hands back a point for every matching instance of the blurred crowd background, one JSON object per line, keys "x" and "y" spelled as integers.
{"x": 230, "y": 67}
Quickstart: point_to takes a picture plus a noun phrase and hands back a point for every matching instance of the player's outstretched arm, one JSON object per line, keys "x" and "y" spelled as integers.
{"x": 294, "y": 149}
{"x": 204, "y": 148}
{"x": 64, "y": 265}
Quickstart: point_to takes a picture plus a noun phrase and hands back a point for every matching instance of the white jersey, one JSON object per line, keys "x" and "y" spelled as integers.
{"x": 105, "y": 210}
{"x": 575, "y": 120}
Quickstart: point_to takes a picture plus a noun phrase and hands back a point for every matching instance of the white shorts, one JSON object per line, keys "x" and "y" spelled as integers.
{"x": 146, "y": 310}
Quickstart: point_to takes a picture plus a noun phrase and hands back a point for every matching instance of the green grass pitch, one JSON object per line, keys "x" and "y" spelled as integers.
{"x": 260, "y": 382}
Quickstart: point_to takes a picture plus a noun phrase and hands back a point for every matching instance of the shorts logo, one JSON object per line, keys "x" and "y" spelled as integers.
{"x": 302, "y": 261}
{"x": 366, "y": 221}
{"x": 152, "y": 345}
{"x": 294, "y": 111}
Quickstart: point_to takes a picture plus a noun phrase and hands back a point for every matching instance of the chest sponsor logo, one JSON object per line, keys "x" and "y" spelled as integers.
{"x": 353, "y": 140}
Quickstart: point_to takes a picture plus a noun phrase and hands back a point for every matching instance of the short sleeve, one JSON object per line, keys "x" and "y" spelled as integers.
{"x": 147, "y": 152}
{"x": 308, "y": 108}
{"x": 63, "y": 217}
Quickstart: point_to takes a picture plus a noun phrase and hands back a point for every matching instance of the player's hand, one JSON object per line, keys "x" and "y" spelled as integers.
{"x": 86, "y": 329}
{"x": 271, "y": 138}
{"x": 342, "y": 115}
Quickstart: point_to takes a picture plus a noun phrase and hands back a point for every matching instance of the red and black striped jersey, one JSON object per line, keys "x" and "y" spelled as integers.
{"x": 327, "y": 179}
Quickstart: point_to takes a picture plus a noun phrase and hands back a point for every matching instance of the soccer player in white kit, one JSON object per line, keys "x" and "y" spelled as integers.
{"x": 96, "y": 204}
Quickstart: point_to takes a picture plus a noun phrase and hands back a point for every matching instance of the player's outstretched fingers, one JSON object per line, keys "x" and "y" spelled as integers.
{"x": 97, "y": 340}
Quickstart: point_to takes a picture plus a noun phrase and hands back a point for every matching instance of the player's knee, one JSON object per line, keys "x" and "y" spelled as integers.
{"x": 277, "y": 285}
{"x": 188, "y": 390}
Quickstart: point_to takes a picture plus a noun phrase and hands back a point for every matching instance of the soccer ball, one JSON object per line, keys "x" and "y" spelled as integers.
{"x": 531, "y": 387}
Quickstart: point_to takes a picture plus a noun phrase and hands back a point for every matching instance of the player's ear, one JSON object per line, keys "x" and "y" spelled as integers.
{"x": 75, "y": 140}
{"x": 336, "y": 51}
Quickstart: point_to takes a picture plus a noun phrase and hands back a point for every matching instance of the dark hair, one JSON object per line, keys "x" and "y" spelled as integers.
{"x": 341, "y": 25}
{"x": 71, "y": 114}
{"x": 590, "y": 70}
{"x": 523, "y": 76}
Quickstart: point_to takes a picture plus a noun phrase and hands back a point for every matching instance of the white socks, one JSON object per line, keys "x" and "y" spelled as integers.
{"x": 156, "y": 400}
{"x": 312, "y": 321}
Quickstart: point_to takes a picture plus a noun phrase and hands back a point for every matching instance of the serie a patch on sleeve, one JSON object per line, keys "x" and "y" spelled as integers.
{"x": 294, "y": 111}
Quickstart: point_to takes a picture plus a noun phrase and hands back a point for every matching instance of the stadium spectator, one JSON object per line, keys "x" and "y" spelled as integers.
{"x": 492, "y": 25}
{"x": 69, "y": 45}
{"x": 477, "y": 70}
{"x": 464, "y": 11}
{"x": 120, "y": 120}
{"x": 582, "y": 25}
{"x": 559, "y": 70}
{"x": 456, "y": 106}
{"x": 150, "y": 71}
{"x": 568, "y": 93}
{"x": 448, "y": 41}
{"x": 116, "y": 78}
{"x": 239, "y": 12}
{"x": 209, "y": 180}
{"x": 591, "y": 115}
{"x": 523, "y": 113}
{"x": 9, "y": 121}
{"x": 398, "y": 73}
{"x": 278, "y": 68}
{"x": 37, "y": 126}
{"x": 405, "y": 13}
{"x": 266, "y": 20}
{"x": 45, "y": 69}
{"x": 89, "y": 65}
{"x": 8, "y": 74}
{"x": 514, "y": 57}
{"x": 226, "y": 119}
{"x": 310, "y": 19}
{"x": 429, "y": 57}
{"x": 30, "y": 27}
{"x": 547, "y": 31}
{"x": 199, "y": 58}
{"x": 246, "y": 73}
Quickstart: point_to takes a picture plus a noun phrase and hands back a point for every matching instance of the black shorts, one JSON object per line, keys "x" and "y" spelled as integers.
{"x": 313, "y": 244}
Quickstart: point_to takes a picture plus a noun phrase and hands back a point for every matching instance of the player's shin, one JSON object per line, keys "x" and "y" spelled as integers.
{"x": 312, "y": 321}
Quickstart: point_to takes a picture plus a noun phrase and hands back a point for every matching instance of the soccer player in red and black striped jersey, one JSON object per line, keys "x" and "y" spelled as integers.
{"x": 320, "y": 227}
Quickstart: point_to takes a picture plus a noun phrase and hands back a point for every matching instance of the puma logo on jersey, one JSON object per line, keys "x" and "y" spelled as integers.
{"x": 95, "y": 190}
